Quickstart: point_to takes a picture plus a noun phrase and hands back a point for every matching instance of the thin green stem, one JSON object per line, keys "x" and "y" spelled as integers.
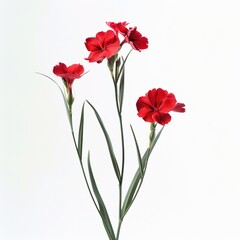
{"x": 121, "y": 130}
{"x": 115, "y": 77}
{"x": 123, "y": 158}
{"x": 119, "y": 228}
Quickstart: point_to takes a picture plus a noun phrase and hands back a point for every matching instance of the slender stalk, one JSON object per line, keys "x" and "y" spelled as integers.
{"x": 115, "y": 77}
{"x": 123, "y": 158}
{"x": 119, "y": 228}
{"x": 122, "y": 134}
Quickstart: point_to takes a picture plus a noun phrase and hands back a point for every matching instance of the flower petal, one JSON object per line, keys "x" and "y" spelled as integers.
{"x": 143, "y": 102}
{"x": 76, "y": 69}
{"x": 118, "y": 27}
{"x": 168, "y": 103}
{"x": 179, "y": 107}
{"x": 60, "y": 69}
{"x": 151, "y": 95}
{"x": 162, "y": 118}
{"x": 146, "y": 114}
{"x": 92, "y": 44}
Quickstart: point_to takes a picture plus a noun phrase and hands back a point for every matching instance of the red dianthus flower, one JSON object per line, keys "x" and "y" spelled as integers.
{"x": 104, "y": 45}
{"x": 68, "y": 74}
{"x": 156, "y": 105}
{"x": 136, "y": 40}
{"x": 119, "y": 27}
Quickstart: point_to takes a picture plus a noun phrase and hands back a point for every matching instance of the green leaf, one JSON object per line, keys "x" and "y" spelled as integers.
{"x": 123, "y": 65}
{"x": 121, "y": 89}
{"x": 103, "y": 211}
{"x": 136, "y": 181}
{"x": 132, "y": 190}
{"x": 138, "y": 152}
{"x": 80, "y": 134}
{"x": 109, "y": 143}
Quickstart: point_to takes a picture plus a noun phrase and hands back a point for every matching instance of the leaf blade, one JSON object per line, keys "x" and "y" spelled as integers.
{"x": 109, "y": 143}
{"x": 102, "y": 209}
{"x": 138, "y": 152}
{"x": 135, "y": 183}
{"x": 121, "y": 88}
{"x": 80, "y": 134}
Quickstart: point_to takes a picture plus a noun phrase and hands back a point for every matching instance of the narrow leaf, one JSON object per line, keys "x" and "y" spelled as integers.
{"x": 121, "y": 89}
{"x": 135, "y": 184}
{"x": 102, "y": 208}
{"x": 123, "y": 65}
{"x": 109, "y": 143}
{"x": 138, "y": 152}
{"x": 80, "y": 134}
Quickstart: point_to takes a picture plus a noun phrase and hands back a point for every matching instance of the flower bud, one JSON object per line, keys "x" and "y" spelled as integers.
{"x": 111, "y": 61}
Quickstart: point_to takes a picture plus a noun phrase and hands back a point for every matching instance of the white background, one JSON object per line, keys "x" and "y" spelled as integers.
{"x": 192, "y": 187}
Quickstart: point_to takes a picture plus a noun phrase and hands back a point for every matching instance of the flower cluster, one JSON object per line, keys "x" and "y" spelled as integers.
{"x": 154, "y": 107}
{"x": 106, "y": 44}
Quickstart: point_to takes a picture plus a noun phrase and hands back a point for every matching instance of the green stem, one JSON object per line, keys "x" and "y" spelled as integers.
{"x": 152, "y": 133}
{"x": 119, "y": 112}
{"x": 123, "y": 159}
{"x": 119, "y": 228}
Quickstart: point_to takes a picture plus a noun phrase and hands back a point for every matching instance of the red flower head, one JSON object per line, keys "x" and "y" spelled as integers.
{"x": 119, "y": 27}
{"x": 136, "y": 40}
{"x": 156, "y": 105}
{"x": 68, "y": 74}
{"x": 104, "y": 45}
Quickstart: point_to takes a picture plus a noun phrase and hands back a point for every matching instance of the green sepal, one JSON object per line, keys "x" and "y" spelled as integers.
{"x": 110, "y": 63}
